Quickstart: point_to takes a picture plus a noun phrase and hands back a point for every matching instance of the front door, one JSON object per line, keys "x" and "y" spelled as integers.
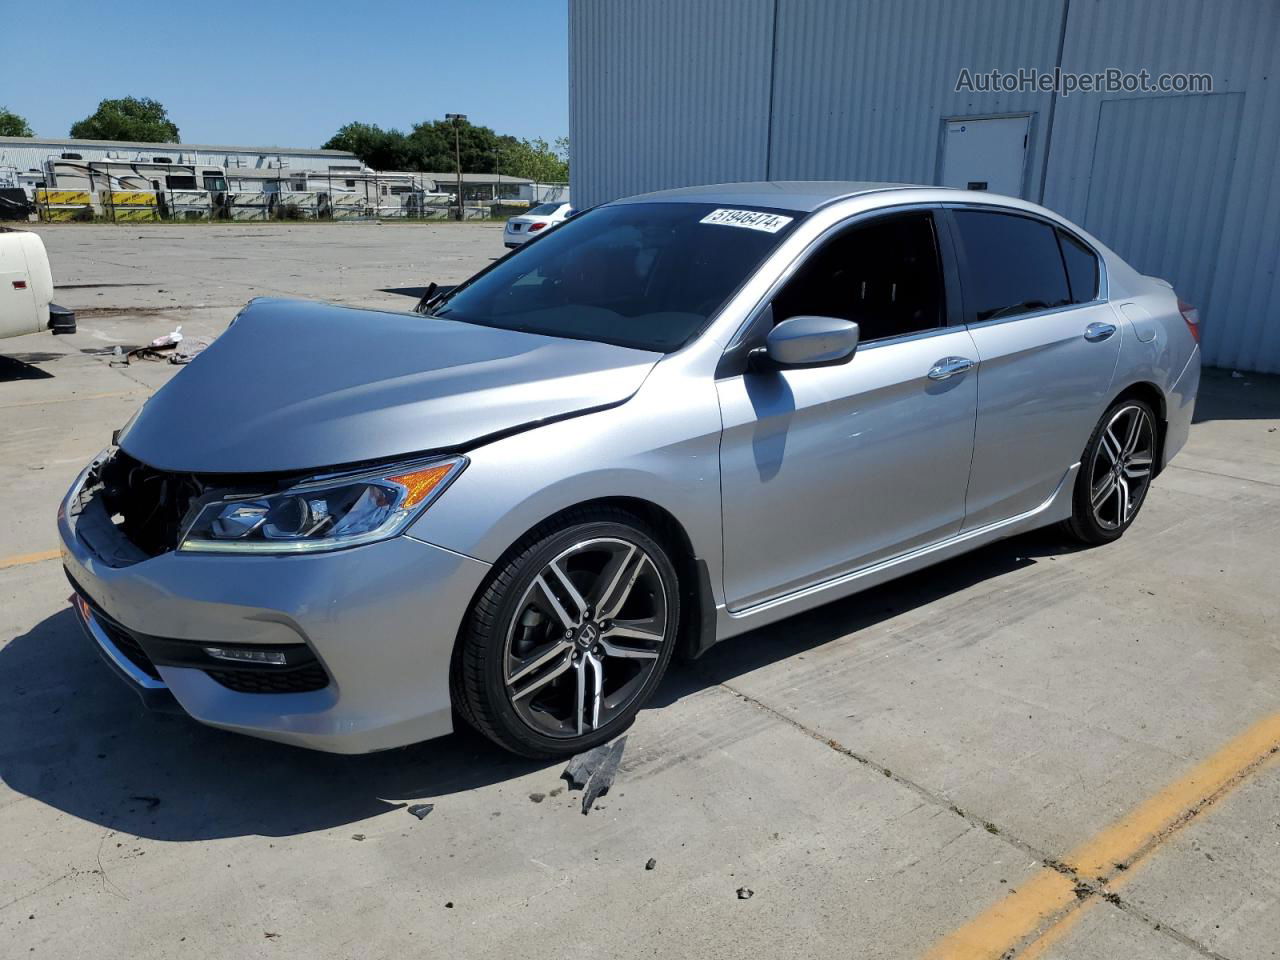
{"x": 1047, "y": 347}
{"x": 826, "y": 469}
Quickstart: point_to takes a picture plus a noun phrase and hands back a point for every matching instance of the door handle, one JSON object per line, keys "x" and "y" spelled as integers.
{"x": 1096, "y": 332}
{"x": 949, "y": 367}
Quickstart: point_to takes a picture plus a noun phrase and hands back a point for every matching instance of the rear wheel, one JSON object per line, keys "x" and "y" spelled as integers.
{"x": 1115, "y": 473}
{"x": 571, "y": 635}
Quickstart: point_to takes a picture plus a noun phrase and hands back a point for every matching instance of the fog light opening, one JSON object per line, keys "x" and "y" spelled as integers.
{"x": 274, "y": 657}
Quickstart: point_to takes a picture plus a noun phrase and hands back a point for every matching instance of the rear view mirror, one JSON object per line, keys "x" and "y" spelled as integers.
{"x": 811, "y": 341}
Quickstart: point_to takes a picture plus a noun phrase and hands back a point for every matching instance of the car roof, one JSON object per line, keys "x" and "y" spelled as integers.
{"x": 804, "y": 196}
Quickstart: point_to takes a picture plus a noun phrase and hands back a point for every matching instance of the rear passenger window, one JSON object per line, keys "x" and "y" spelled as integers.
{"x": 1082, "y": 268}
{"x": 1013, "y": 265}
{"x": 883, "y": 275}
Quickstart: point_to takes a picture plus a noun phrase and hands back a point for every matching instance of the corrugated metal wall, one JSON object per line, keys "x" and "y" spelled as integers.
{"x": 1183, "y": 186}
{"x": 861, "y": 88}
{"x": 666, "y": 93}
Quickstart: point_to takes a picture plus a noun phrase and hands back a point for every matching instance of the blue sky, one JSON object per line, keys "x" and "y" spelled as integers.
{"x": 290, "y": 74}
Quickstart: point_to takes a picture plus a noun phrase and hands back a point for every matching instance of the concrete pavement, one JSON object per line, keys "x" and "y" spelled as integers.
{"x": 906, "y": 773}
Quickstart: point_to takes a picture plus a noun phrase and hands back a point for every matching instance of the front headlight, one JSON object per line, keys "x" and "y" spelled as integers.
{"x": 319, "y": 515}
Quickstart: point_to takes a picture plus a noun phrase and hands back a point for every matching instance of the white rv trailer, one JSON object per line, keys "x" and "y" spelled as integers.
{"x": 131, "y": 190}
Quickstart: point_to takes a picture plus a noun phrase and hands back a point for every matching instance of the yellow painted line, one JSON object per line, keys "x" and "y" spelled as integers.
{"x": 1044, "y": 908}
{"x": 19, "y": 559}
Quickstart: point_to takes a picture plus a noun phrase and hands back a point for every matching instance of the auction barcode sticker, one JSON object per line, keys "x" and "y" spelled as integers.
{"x": 751, "y": 219}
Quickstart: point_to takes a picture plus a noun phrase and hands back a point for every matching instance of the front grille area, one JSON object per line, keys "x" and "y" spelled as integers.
{"x": 300, "y": 680}
{"x": 147, "y": 505}
{"x": 128, "y": 645}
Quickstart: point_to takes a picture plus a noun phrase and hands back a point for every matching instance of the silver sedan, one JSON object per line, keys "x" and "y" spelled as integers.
{"x": 675, "y": 418}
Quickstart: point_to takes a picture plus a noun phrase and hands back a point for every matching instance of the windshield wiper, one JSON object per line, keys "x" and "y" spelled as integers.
{"x": 433, "y": 298}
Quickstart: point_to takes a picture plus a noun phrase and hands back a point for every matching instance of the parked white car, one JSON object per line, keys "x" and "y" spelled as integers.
{"x": 525, "y": 227}
{"x": 26, "y": 287}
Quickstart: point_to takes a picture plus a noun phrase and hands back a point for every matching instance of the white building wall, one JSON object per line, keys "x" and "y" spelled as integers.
{"x": 31, "y": 153}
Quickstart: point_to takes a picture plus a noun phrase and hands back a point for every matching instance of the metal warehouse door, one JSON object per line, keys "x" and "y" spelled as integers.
{"x": 1159, "y": 184}
{"x": 988, "y": 154}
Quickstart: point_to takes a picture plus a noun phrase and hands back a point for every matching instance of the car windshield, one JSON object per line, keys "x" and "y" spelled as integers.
{"x": 645, "y": 275}
{"x": 543, "y": 210}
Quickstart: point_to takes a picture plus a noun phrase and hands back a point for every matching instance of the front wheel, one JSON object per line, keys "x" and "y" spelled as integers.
{"x": 570, "y": 637}
{"x": 1115, "y": 473}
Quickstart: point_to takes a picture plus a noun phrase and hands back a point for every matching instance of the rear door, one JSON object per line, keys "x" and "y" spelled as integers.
{"x": 827, "y": 469}
{"x": 1047, "y": 346}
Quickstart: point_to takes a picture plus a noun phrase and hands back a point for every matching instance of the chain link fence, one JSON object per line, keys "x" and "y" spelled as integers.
{"x": 374, "y": 201}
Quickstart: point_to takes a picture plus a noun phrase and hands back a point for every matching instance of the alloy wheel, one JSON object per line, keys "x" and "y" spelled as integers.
{"x": 585, "y": 637}
{"x": 1120, "y": 472}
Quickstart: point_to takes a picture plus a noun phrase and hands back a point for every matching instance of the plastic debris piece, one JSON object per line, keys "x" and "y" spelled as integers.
{"x": 580, "y": 767}
{"x": 188, "y": 349}
{"x": 171, "y": 339}
{"x": 602, "y": 778}
{"x": 650, "y": 863}
{"x": 420, "y": 810}
{"x": 745, "y": 893}
{"x": 593, "y": 771}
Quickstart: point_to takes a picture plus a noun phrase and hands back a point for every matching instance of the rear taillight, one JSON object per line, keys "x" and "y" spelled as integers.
{"x": 1192, "y": 316}
{"x": 536, "y": 226}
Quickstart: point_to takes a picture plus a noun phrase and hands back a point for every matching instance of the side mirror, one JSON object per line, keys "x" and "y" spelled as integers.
{"x": 811, "y": 342}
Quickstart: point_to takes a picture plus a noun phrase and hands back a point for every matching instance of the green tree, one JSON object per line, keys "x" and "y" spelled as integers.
{"x": 376, "y": 148}
{"x": 431, "y": 146}
{"x": 12, "y": 125}
{"x": 536, "y": 159}
{"x": 128, "y": 118}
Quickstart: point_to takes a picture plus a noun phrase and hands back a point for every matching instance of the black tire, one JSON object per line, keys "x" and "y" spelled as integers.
{"x": 482, "y": 691}
{"x": 1098, "y": 464}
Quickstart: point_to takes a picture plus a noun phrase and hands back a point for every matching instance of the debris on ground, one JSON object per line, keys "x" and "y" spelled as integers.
{"x": 449, "y": 905}
{"x": 650, "y": 863}
{"x": 592, "y": 772}
{"x": 745, "y": 893}
{"x": 172, "y": 345}
{"x": 168, "y": 340}
{"x": 537, "y": 797}
{"x": 270, "y": 936}
{"x": 189, "y": 349}
{"x": 420, "y": 810}
{"x": 357, "y": 836}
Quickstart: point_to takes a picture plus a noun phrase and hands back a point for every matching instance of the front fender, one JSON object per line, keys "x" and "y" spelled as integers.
{"x": 662, "y": 446}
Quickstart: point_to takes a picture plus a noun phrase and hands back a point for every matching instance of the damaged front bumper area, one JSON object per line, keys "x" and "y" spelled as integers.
{"x": 346, "y": 651}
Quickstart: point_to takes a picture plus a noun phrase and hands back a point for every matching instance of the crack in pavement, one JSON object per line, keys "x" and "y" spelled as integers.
{"x": 1087, "y": 890}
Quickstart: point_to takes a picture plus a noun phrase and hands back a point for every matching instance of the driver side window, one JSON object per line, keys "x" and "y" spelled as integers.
{"x": 884, "y": 275}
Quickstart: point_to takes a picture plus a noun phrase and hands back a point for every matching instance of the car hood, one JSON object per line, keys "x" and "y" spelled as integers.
{"x": 296, "y": 385}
